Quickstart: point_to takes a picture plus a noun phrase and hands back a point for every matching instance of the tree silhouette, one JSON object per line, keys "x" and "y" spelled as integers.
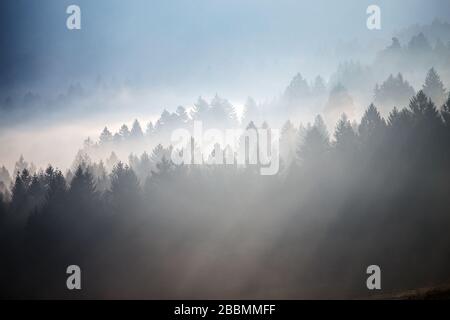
{"x": 339, "y": 102}
{"x": 419, "y": 44}
{"x": 345, "y": 137}
{"x": 434, "y": 88}
{"x": 374, "y": 192}
{"x": 21, "y": 165}
{"x": 222, "y": 112}
{"x": 136, "y": 130}
{"x": 82, "y": 188}
{"x": 112, "y": 160}
{"x": 106, "y": 136}
{"x": 150, "y": 129}
{"x": 124, "y": 132}
{"x": 56, "y": 186}
{"x": 200, "y": 111}
{"x": 297, "y": 89}
{"x": 125, "y": 190}
{"x": 157, "y": 154}
{"x": 182, "y": 114}
{"x": 37, "y": 191}
{"x": 446, "y": 112}
{"x": 424, "y": 110}
{"x": 315, "y": 144}
{"x": 321, "y": 126}
{"x": 395, "y": 45}
{"x": 20, "y": 199}
{"x": 372, "y": 126}
{"x": 395, "y": 91}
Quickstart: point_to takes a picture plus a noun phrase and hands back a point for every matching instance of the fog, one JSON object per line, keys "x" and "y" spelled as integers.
{"x": 134, "y": 60}
{"x": 87, "y": 170}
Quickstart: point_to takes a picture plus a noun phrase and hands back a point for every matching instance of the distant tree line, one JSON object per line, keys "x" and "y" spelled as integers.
{"x": 375, "y": 193}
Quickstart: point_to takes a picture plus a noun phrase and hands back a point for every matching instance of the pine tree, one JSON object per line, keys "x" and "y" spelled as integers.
{"x": 164, "y": 122}
{"x": 145, "y": 166}
{"x": 37, "y": 190}
{"x": 20, "y": 190}
{"x": 82, "y": 159}
{"x": 345, "y": 136}
{"x": 56, "y": 185}
{"x": 423, "y": 109}
{"x": 321, "y": 126}
{"x": 315, "y": 143}
{"x": 20, "y": 165}
{"x": 393, "y": 117}
{"x": 434, "y": 88}
{"x": 182, "y": 115}
{"x": 136, "y": 130}
{"x": 149, "y": 130}
{"x": 394, "y": 91}
{"x": 125, "y": 190}
{"x": 400, "y": 123}
{"x": 395, "y": 45}
{"x": 372, "y": 125}
{"x": 446, "y": 112}
{"x": 100, "y": 175}
{"x": 157, "y": 154}
{"x": 419, "y": 44}
{"x": 112, "y": 160}
{"x": 163, "y": 170}
{"x": 82, "y": 188}
{"x": 106, "y": 136}
{"x": 222, "y": 112}
{"x": 133, "y": 161}
{"x": 297, "y": 89}
{"x": 201, "y": 110}
{"x": 124, "y": 132}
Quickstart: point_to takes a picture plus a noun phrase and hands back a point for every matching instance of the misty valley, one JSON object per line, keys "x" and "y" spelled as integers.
{"x": 150, "y": 228}
{"x": 225, "y": 152}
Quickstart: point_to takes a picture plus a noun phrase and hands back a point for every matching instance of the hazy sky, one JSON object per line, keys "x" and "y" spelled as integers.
{"x": 180, "y": 43}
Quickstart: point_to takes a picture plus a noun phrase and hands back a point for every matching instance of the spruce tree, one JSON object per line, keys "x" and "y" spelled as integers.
{"x": 372, "y": 125}
{"x": 434, "y": 88}
{"x": 345, "y": 136}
